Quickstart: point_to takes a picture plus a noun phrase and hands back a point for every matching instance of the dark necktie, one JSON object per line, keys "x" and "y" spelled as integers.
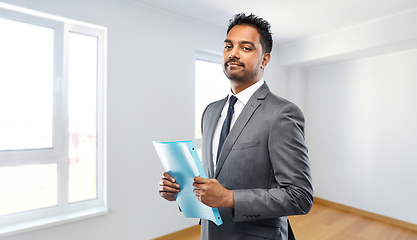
{"x": 226, "y": 124}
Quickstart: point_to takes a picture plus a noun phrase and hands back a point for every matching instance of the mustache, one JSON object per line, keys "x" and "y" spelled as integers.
{"x": 234, "y": 61}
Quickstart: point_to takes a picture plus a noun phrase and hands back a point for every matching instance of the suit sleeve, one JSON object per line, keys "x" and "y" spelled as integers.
{"x": 202, "y": 119}
{"x": 290, "y": 191}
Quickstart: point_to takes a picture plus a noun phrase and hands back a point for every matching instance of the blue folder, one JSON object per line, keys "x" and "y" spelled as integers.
{"x": 180, "y": 159}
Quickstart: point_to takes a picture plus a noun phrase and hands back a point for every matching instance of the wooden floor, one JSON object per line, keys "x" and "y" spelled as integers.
{"x": 328, "y": 223}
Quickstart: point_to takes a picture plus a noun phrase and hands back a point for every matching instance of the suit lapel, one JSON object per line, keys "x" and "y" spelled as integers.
{"x": 218, "y": 107}
{"x": 254, "y": 102}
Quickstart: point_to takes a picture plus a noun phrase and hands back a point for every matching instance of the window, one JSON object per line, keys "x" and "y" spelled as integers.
{"x": 210, "y": 85}
{"x": 52, "y": 103}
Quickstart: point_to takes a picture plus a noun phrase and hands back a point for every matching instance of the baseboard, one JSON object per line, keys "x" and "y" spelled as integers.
{"x": 367, "y": 214}
{"x": 181, "y": 234}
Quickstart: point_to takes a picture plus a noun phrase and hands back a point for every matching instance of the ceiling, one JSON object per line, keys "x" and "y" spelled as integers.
{"x": 291, "y": 20}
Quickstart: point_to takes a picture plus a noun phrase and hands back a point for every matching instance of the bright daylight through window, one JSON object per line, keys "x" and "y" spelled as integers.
{"x": 52, "y": 78}
{"x": 26, "y": 86}
{"x": 82, "y": 116}
{"x": 26, "y": 113}
{"x": 210, "y": 84}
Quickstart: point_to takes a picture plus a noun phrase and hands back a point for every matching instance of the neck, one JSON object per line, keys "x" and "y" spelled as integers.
{"x": 238, "y": 86}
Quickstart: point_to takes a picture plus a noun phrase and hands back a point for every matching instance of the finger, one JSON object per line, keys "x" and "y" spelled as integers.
{"x": 198, "y": 197}
{"x": 196, "y": 185}
{"x": 169, "y": 189}
{"x": 165, "y": 182}
{"x": 197, "y": 194}
{"x": 168, "y": 176}
{"x": 199, "y": 186}
{"x": 168, "y": 196}
{"x": 200, "y": 180}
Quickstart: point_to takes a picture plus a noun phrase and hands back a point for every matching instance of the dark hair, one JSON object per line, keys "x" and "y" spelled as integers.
{"x": 263, "y": 27}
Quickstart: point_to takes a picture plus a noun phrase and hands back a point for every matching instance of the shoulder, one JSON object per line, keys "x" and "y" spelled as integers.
{"x": 279, "y": 105}
{"x": 273, "y": 103}
{"x": 214, "y": 106}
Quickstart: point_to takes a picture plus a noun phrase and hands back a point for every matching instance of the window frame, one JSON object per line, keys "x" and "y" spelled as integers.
{"x": 64, "y": 211}
{"x": 57, "y": 148}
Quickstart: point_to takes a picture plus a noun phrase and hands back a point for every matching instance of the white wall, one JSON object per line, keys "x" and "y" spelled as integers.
{"x": 150, "y": 97}
{"x": 359, "y": 114}
{"x": 357, "y": 89}
{"x": 362, "y": 132}
{"x": 275, "y": 75}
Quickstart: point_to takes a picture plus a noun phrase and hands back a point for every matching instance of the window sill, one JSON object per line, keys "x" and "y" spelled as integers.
{"x": 13, "y": 229}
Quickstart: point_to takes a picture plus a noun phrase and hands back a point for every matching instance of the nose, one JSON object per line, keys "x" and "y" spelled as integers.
{"x": 234, "y": 54}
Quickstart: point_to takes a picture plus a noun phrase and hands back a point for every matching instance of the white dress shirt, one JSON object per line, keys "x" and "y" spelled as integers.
{"x": 242, "y": 99}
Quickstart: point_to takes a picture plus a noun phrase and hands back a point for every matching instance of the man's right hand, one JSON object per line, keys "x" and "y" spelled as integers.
{"x": 168, "y": 187}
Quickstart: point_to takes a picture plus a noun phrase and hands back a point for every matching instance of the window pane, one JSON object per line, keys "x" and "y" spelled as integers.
{"x": 82, "y": 117}
{"x": 210, "y": 85}
{"x": 27, "y": 187}
{"x": 26, "y": 86}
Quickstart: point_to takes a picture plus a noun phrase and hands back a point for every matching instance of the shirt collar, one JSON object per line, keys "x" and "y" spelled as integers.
{"x": 244, "y": 95}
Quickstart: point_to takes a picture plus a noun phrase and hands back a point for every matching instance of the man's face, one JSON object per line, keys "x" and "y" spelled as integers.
{"x": 243, "y": 58}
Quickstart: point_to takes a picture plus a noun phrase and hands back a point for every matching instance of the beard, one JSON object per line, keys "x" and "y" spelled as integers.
{"x": 235, "y": 75}
{"x": 238, "y": 75}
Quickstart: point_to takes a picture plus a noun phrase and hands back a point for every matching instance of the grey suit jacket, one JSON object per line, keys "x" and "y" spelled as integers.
{"x": 264, "y": 161}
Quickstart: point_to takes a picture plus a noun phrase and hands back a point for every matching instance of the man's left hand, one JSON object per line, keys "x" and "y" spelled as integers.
{"x": 212, "y": 193}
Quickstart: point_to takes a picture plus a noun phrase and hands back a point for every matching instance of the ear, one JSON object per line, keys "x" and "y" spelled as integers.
{"x": 265, "y": 60}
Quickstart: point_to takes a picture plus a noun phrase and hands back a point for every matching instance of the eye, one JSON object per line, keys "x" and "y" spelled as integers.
{"x": 247, "y": 48}
{"x": 227, "y": 47}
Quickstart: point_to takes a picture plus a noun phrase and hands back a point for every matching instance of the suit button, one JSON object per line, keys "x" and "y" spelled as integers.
{"x": 244, "y": 217}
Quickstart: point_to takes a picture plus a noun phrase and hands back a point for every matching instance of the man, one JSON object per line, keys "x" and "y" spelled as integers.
{"x": 259, "y": 172}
